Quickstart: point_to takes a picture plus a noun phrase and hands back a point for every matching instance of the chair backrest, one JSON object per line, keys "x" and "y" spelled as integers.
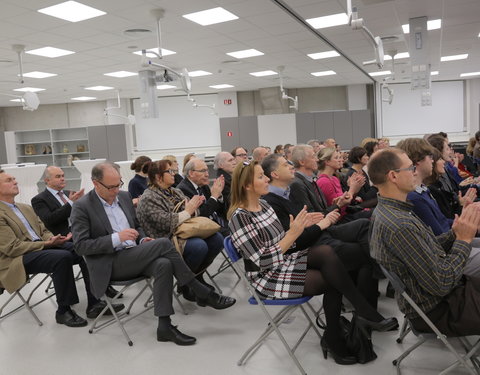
{"x": 230, "y": 249}
{"x": 397, "y": 284}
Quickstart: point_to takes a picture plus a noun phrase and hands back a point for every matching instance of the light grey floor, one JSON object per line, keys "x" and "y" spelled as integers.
{"x": 26, "y": 348}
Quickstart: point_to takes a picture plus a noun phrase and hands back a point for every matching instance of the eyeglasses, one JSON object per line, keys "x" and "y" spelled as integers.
{"x": 173, "y": 172}
{"x": 111, "y": 187}
{"x": 241, "y": 155}
{"x": 412, "y": 168}
{"x": 200, "y": 170}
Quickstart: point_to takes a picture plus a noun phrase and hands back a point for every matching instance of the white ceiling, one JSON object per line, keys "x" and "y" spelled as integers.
{"x": 102, "y": 47}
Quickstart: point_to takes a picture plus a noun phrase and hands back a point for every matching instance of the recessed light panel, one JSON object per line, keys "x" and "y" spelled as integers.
{"x": 211, "y": 16}
{"x": 49, "y": 52}
{"x": 84, "y": 98}
{"x": 38, "y": 75}
{"x": 381, "y": 73}
{"x": 72, "y": 11}
{"x": 454, "y": 57}
{"x": 264, "y": 73}
{"x": 470, "y": 74}
{"x": 245, "y": 53}
{"x": 165, "y": 52}
{"x": 434, "y": 73}
{"x": 328, "y": 21}
{"x": 223, "y": 86}
{"x": 17, "y": 100}
{"x": 323, "y": 55}
{"x": 99, "y": 88}
{"x": 31, "y": 89}
{"x": 121, "y": 74}
{"x": 166, "y": 87}
{"x": 431, "y": 25}
{"x": 199, "y": 73}
{"x": 324, "y": 73}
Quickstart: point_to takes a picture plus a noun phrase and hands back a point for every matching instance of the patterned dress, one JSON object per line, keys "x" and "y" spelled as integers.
{"x": 256, "y": 236}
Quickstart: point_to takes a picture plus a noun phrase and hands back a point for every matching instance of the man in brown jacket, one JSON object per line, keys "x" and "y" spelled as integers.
{"x": 27, "y": 247}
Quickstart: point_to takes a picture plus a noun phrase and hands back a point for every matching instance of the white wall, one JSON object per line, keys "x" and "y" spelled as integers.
{"x": 276, "y": 129}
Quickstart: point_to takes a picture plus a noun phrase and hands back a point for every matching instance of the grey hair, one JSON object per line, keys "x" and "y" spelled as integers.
{"x": 270, "y": 163}
{"x": 312, "y": 141}
{"x": 299, "y": 153}
{"x": 98, "y": 169}
{"x": 220, "y": 159}
{"x": 190, "y": 166}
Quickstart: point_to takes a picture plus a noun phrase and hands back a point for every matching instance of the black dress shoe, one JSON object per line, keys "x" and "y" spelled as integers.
{"x": 174, "y": 335}
{"x": 217, "y": 301}
{"x": 111, "y": 292}
{"x": 70, "y": 319}
{"x": 95, "y": 310}
{"x": 388, "y": 324}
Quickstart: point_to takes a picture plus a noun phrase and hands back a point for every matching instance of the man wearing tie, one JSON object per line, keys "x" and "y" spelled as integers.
{"x": 53, "y": 206}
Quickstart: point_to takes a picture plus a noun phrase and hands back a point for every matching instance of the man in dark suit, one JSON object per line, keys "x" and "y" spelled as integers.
{"x": 106, "y": 232}
{"x": 224, "y": 164}
{"x": 54, "y": 206}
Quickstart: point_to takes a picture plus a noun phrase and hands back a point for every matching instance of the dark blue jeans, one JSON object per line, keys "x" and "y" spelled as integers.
{"x": 199, "y": 253}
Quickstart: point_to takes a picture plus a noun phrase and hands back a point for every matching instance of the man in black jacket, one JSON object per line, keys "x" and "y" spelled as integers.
{"x": 350, "y": 240}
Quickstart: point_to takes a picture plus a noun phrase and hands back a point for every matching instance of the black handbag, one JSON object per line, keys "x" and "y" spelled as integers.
{"x": 359, "y": 340}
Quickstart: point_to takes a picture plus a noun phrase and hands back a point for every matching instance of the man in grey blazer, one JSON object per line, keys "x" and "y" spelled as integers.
{"x": 107, "y": 233}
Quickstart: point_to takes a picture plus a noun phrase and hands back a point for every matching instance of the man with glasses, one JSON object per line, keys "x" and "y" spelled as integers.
{"x": 240, "y": 154}
{"x": 431, "y": 267}
{"x": 106, "y": 232}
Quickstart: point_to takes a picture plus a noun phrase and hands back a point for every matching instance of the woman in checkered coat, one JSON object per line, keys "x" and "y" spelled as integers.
{"x": 259, "y": 237}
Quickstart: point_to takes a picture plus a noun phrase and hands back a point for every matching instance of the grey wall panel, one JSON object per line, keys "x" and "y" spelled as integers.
{"x": 342, "y": 128}
{"x": 97, "y": 141}
{"x": 3, "y": 149}
{"x": 229, "y": 124}
{"x": 323, "y": 125}
{"x": 305, "y": 127}
{"x": 116, "y": 142}
{"x": 362, "y": 126}
{"x": 248, "y": 132}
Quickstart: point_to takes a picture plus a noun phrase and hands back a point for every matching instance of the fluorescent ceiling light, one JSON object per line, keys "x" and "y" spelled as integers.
{"x": 72, "y": 11}
{"x": 38, "y": 75}
{"x": 199, "y": 73}
{"x": 223, "y": 86}
{"x": 31, "y": 89}
{"x": 470, "y": 74}
{"x": 324, "y": 73}
{"x": 99, "y": 88}
{"x": 17, "y": 100}
{"x": 166, "y": 87}
{"x": 431, "y": 25}
{"x": 434, "y": 73}
{"x": 211, "y": 16}
{"x": 454, "y": 57}
{"x": 121, "y": 74}
{"x": 264, "y": 73}
{"x": 323, "y": 55}
{"x": 165, "y": 52}
{"x": 50, "y": 52}
{"x": 245, "y": 53}
{"x": 381, "y": 73}
{"x": 401, "y": 55}
{"x": 83, "y": 98}
{"x": 328, "y": 21}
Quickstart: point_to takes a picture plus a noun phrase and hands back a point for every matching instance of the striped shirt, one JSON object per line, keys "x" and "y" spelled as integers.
{"x": 430, "y": 266}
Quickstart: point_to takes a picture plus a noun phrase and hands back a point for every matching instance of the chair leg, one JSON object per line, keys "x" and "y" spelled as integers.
{"x": 404, "y": 331}
{"x": 397, "y": 361}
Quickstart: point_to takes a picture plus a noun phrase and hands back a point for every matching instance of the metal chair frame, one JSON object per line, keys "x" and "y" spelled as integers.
{"x": 407, "y": 327}
{"x": 121, "y": 318}
{"x": 289, "y": 306}
{"x": 26, "y": 301}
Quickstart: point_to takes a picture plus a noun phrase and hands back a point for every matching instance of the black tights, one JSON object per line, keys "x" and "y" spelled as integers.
{"x": 326, "y": 274}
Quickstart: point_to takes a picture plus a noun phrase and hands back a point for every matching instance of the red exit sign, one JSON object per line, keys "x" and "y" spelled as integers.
{"x": 227, "y": 101}
{"x": 229, "y": 134}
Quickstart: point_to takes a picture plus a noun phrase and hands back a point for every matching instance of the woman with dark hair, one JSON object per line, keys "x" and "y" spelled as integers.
{"x": 358, "y": 158}
{"x": 371, "y": 147}
{"x": 157, "y": 217}
{"x": 259, "y": 237}
{"x": 138, "y": 183}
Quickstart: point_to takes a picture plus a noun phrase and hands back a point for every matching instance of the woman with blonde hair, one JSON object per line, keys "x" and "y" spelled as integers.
{"x": 260, "y": 239}
{"x": 173, "y": 160}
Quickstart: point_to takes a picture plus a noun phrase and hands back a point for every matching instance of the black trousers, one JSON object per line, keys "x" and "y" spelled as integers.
{"x": 59, "y": 263}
